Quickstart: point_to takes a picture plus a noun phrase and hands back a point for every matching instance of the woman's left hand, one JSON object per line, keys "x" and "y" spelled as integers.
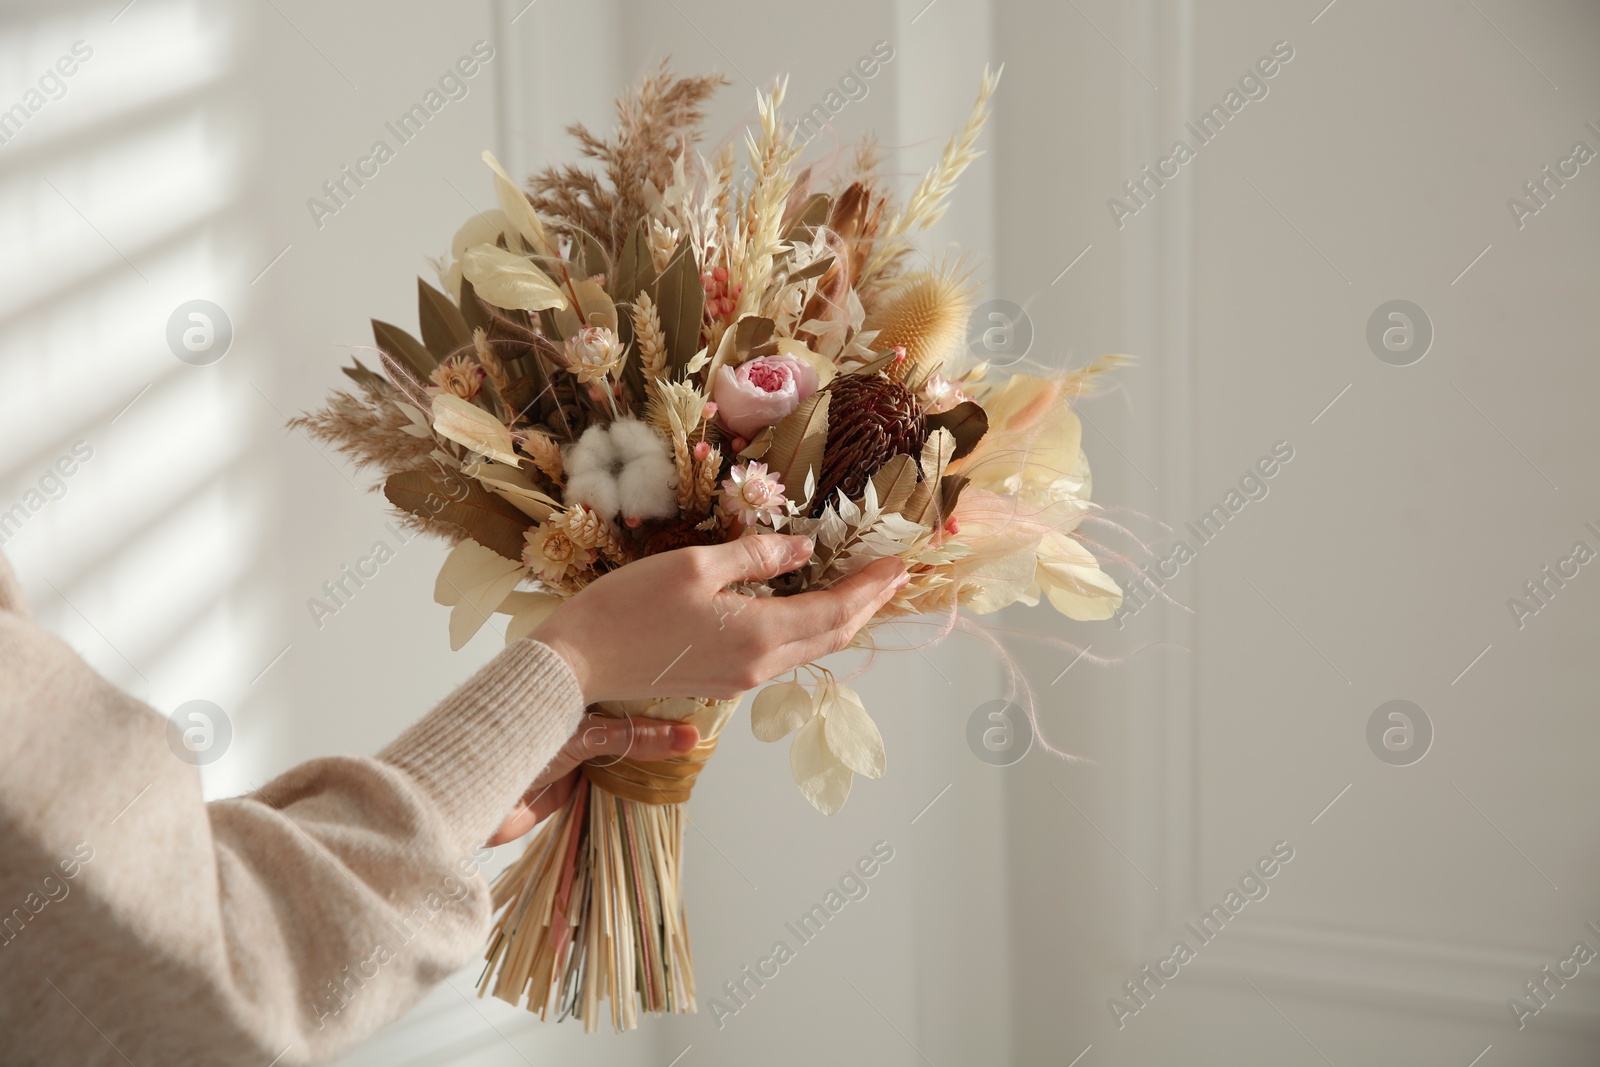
{"x": 598, "y": 735}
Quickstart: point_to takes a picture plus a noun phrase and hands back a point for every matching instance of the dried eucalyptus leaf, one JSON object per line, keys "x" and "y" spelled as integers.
{"x": 407, "y": 350}
{"x": 444, "y": 330}
{"x": 681, "y": 301}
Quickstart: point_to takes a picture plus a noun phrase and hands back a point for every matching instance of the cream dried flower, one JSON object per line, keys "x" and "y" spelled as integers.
{"x": 594, "y": 353}
{"x": 459, "y": 376}
{"x": 940, "y": 394}
{"x": 752, "y": 494}
{"x": 551, "y": 553}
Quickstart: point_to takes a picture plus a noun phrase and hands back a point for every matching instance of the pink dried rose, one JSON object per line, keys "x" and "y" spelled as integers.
{"x": 761, "y": 391}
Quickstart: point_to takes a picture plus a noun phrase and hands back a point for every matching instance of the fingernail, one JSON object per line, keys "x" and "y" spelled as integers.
{"x": 684, "y": 738}
{"x": 900, "y": 580}
{"x": 800, "y": 549}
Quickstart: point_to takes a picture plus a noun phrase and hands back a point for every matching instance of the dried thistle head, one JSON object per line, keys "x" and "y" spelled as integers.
{"x": 926, "y": 314}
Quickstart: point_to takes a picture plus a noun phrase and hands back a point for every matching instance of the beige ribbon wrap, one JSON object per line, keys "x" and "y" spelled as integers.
{"x": 668, "y": 781}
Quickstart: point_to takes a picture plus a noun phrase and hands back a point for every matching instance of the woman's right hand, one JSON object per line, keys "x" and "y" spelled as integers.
{"x": 667, "y": 625}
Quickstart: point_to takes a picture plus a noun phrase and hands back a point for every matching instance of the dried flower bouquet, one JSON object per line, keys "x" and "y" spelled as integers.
{"x": 663, "y": 354}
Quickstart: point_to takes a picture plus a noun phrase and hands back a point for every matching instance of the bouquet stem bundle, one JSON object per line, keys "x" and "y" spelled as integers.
{"x": 593, "y": 909}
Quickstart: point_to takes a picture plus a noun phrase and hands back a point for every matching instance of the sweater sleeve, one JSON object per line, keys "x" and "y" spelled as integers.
{"x": 139, "y": 923}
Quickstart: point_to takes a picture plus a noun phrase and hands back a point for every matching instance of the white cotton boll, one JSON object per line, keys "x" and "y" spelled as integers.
{"x": 596, "y": 489}
{"x": 622, "y": 468}
{"x": 646, "y": 487}
{"x": 632, "y": 440}
{"x": 593, "y": 452}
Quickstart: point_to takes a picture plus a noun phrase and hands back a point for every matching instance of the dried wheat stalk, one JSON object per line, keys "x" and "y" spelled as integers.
{"x": 927, "y": 201}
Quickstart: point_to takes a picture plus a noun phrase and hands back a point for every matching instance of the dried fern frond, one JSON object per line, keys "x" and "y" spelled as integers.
{"x": 927, "y": 202}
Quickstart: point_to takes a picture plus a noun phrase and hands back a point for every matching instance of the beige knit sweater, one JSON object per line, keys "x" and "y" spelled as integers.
{"x": 140, "y": 925}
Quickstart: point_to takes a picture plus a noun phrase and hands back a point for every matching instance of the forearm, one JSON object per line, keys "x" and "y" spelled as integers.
{"x": 290, "y": 922}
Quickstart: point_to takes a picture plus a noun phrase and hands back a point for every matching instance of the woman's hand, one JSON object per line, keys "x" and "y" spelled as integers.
{"x": 667, "y": 625}
{"x": 598, "y": 736}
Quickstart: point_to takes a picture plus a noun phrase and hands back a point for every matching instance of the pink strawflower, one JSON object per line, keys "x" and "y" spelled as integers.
{"x": 940, "y": 394}
{"x": 751, "y": 494}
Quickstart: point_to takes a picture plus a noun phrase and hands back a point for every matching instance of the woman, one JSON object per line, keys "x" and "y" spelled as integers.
{"x": 140, "y": 924}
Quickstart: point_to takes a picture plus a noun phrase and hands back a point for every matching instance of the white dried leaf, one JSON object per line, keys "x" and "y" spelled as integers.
{"x": 851, "y": 734}
{"x": 870, "y": 509}
{"x": 779, "y": 710}
{"x": 518, "y": 212}
{"x": 417, "y": 423}
{"x": 832, "y": 530}
{"x": 469, "y": 425}
{"x": 508, "y": 280}
{"x": 895, "y": 525}
{"x": 822, "y": 779}
{"x": 474, "y": 581}
{"x": 527, "y": 610}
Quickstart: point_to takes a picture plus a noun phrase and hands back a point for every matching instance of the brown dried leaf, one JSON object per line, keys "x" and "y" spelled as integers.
{"x": 405, "y": 349}
{"x": 758, "y": 446}
{"x": 815, "y": 269}
{"x": 967, "y": 422}
{"x": 485, "y": 517}
{"x": 895, "y": 482}
{"x": 680, "y": 301}
{"x": 752, "y": 337}
{"x": 814, "y": 214}
{"x": 444, "y": 331}
{"x": 634, "y": 270}
{"x": 798, "y": 443}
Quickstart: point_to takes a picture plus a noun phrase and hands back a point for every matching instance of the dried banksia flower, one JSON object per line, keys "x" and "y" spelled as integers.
{"x": 926, "y": 314}
{"x": 663, "y": 535}
{"x": 871, "y": 419}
